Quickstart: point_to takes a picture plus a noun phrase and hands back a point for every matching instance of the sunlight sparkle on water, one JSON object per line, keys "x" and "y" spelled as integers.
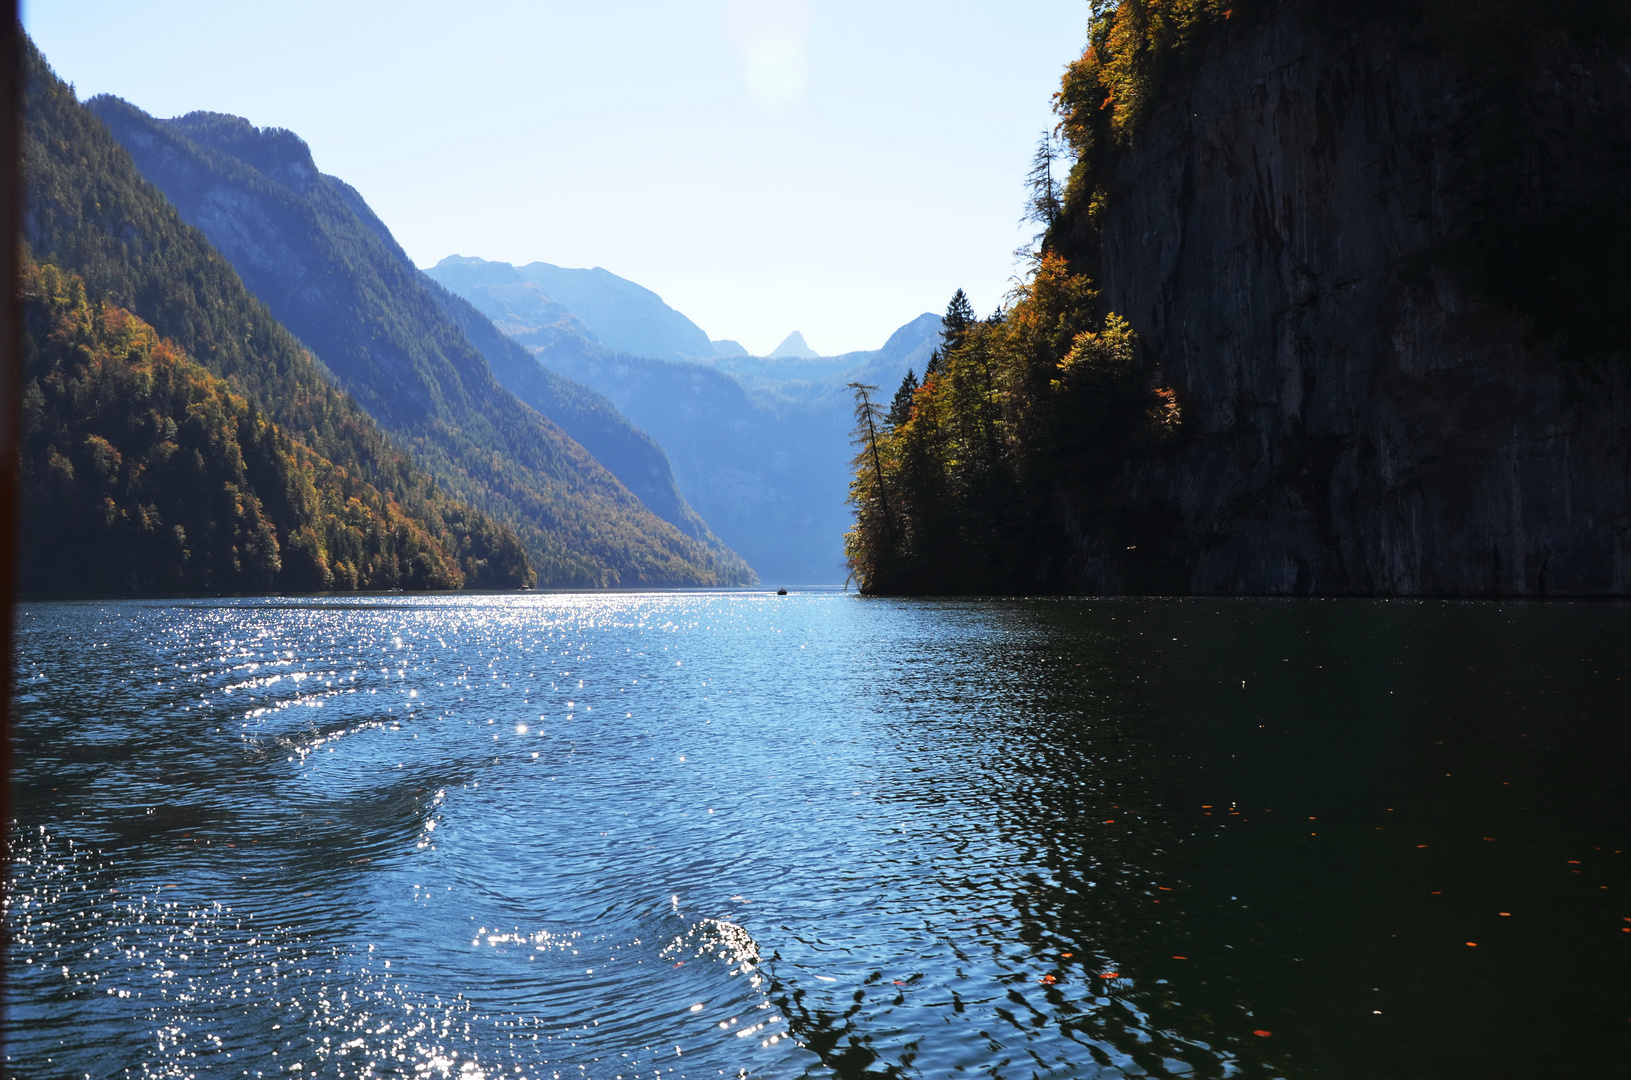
{"x": 312, "y": 829}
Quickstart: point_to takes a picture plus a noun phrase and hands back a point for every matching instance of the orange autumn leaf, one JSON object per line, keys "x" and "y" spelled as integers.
{"x": 1048, "y": 979}
{"x": 1262, "y": 1034}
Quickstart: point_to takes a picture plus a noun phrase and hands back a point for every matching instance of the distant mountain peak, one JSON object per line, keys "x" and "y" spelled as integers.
{"x": 488, "y": 271}
{"x": 728, "y": 347}
{"x": 794, "y": 347}
{"x": 619, "y": 313}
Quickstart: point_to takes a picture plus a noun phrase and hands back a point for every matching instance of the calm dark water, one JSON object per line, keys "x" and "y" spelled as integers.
{"x": 700, "y": 835}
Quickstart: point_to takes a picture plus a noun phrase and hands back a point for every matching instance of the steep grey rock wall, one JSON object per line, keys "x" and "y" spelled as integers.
{"x": 1358, "y": 418}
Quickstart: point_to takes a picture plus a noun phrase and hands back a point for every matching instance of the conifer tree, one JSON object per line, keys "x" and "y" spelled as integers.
{"x": 955, "y": 324}
{"x": 868, "y": 491}
{"x": 900, "y": 410}
{"x": 1044, "y": 204}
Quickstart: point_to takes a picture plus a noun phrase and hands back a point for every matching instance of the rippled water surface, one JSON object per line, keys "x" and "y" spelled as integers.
{"x": 701, "y": 835}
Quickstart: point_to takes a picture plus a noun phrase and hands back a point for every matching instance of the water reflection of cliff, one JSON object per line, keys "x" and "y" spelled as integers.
{"x": 1260, "y": 839}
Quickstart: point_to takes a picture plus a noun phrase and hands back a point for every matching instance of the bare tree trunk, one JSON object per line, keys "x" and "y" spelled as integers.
{"x": 865, "y": 408}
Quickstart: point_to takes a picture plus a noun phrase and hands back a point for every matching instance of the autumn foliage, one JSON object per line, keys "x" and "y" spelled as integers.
{"x": 1022, "y": 416}
{"x": 143, "y": 471}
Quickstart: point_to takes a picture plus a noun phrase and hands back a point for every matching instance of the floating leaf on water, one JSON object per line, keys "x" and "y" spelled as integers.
{"x": 1262, "y": 1034}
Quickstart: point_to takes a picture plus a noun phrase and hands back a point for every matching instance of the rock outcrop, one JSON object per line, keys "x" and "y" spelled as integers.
{"x": 1363, "y": 413}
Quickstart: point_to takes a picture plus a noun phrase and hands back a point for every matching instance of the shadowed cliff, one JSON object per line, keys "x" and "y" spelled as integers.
{"x": 1302, "y": 236}
{"x": 1327, "y": 302}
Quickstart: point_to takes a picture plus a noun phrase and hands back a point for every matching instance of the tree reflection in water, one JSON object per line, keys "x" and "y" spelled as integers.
{"x": 1275, "y": 838}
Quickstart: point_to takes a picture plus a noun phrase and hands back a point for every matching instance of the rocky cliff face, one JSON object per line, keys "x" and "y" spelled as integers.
{"x": 1360, "y": 415}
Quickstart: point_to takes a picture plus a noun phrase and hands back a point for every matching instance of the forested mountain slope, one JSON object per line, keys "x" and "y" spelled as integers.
{"x": 592, "y": 420}
{"x": 142, "y": 472}
{"x": 764, "y": 456}
{"x": 324, "y": 265}
{"x": 346, "y": 506}
{"x": 1333, "y": 299}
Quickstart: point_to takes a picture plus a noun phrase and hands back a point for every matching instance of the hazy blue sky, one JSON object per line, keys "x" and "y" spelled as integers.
{"x": 830, "y": 166}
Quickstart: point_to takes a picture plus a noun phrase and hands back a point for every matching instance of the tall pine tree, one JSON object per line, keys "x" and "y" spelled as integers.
{"x": 955, "y": 323}
{"x": 900, "y": 410}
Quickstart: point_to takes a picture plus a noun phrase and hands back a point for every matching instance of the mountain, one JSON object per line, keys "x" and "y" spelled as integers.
{"x": 1334, "y": 300}
{"x": 793, "y": 347}
{"x": 176, "y": 436}
{"x": 143, "y": 471}
{"x": 508, "y": 296}
{"x": 311, "y": 250}
{"x": 760, "y": 447}
{"x": 618, "y": 313}
{"x": 590, "y": 418}
{"x": 907, "y": 349}
{"x": 727, "y": 347}
{"x": 768, "y": 472}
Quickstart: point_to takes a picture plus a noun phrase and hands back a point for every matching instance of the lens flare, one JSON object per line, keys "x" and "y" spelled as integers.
{"x": 770, "y": 36}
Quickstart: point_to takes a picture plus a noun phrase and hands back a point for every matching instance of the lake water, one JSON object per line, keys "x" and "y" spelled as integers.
{"x": 701, "y": 835}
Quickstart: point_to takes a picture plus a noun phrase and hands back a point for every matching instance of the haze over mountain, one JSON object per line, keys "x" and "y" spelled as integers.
{"x": 760, "y": 445}
{"x": 310, "y": 248}
{"x": 765, "y": 460}
{"x": 616, "y": 312}
{"x": 632, "y": 455}
{"x": 793, "y": 346}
